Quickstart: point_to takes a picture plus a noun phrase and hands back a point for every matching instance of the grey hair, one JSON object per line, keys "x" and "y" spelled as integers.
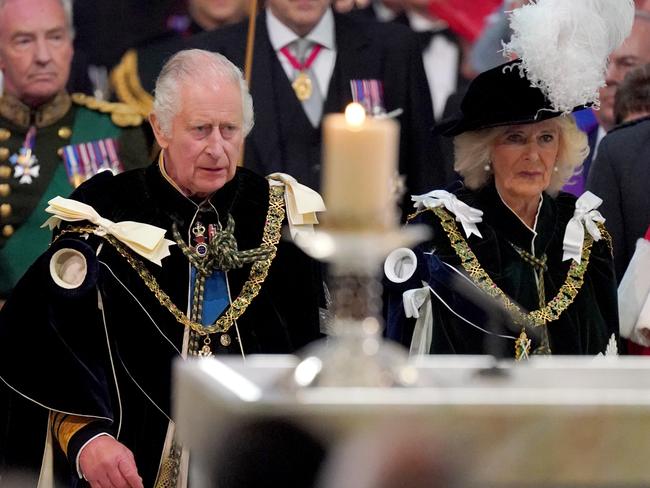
{"x": 187, "y": 66}
{"x": 67, "y": 9}
{"x": 473, "y": 151}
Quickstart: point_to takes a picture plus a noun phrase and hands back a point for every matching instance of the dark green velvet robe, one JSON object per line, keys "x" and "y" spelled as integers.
{"x": 58, "y": 349}
{"x": 585, "y": 327}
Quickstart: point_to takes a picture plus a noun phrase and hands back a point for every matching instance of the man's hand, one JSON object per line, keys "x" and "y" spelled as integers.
{"x": 106, "y": 463}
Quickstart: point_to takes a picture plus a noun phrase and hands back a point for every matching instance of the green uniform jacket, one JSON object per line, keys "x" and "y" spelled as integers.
{"x": 66, "y": 120}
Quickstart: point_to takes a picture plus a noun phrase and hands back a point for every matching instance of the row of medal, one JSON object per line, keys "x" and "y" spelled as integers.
{"x": 81, "y": 160}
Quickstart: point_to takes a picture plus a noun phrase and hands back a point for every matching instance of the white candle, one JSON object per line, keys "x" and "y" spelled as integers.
{"x": 359, "y": 168}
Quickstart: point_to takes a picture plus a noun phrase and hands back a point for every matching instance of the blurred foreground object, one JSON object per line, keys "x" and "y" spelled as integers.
{"x": 543, "y": 424}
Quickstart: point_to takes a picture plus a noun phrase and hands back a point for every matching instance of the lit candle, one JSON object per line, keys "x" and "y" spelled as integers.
{"x": 359, "y": 168}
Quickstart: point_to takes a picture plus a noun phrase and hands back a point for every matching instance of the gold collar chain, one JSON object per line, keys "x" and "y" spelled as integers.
{"x": 257, "y": 276}
{"x": 552, "y": 310}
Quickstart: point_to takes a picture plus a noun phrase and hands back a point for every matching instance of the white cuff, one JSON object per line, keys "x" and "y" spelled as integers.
{"x": 81, "y": 475}
{"x": 417, "y": 304}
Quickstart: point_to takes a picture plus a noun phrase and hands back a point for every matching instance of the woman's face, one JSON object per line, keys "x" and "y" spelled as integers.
{"x": 523, "y": 158}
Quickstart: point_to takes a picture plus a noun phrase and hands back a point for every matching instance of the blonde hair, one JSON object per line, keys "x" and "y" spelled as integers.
{"x": 472, "y": 151}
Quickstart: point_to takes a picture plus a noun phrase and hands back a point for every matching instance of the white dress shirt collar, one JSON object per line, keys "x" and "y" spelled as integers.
{"x": 280, "y": 35}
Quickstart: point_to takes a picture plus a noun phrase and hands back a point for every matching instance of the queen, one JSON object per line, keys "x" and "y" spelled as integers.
{"x": 542, "y": 255}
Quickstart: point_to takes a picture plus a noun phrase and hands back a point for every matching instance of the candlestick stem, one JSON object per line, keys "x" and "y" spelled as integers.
{"x": 356, "y": 354}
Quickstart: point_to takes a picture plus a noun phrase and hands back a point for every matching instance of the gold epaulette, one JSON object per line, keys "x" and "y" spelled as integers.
{"x": 121, "y": 114}
{"x": 126, "y": 82}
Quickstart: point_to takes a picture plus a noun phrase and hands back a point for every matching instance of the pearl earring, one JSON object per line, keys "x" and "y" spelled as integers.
{"x": 555, "y": 169}
{"x": 487, "y": 167}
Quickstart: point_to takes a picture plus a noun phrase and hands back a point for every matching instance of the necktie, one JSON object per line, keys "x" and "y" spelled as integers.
{"x": 305, "y": 83}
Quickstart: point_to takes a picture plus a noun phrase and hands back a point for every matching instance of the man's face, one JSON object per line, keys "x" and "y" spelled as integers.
{"x": 634, "y": 52}
{"x": 301, "y": 16}
{"x": 35, "y": 49}
{"x": 206, "y": 137}
{"x": 211, "y": 14}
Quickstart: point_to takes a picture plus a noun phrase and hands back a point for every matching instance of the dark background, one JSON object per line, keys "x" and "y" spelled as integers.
{"x": 105, "y": 29}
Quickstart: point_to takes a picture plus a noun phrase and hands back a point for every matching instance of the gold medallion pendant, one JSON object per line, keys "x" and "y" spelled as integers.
{"x": 302, "y": 86}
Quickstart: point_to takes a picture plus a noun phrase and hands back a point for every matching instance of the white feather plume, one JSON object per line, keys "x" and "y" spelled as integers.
{"x": 564, "y": 45}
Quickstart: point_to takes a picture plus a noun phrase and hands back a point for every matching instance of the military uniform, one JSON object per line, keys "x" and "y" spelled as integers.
{"x": 134, "y": 78}
{"x": 40, "y": 137}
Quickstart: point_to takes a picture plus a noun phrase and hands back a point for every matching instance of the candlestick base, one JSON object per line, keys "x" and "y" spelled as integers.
{"x": 354, "y": 360}
{"x": 356, "y": 354}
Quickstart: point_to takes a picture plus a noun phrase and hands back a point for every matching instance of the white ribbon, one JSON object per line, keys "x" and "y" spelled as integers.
{"x": 466, "y": 215}
{"x": 585, "y": 217}
{"x": 301, "y": 203}
{"x": 417, "y": 304}
{"x": 145, "y": 239}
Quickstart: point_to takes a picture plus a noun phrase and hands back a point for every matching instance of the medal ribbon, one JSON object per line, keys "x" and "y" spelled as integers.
{"x": 26, "y": 166}
{"x": 30, "y": 139}
{"x": 302, "y": 67}
{"x": 28, "y": 147}
{"x": 370, "y": 94}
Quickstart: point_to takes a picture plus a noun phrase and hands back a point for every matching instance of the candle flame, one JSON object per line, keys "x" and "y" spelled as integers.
{"x": 355, "y": 115}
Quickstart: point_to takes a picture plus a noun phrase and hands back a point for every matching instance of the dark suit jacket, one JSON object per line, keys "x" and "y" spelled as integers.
{"x": 369, "y": 13}
{"x": 283, "y": 139}
{"x": 620, "y": 175}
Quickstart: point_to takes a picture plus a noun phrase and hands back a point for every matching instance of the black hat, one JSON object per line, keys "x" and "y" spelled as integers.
{"x": 496, "y": 97}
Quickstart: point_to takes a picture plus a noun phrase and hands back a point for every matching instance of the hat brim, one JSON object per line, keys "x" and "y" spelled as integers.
{"x": 457, "y": 125}
{"x": 498, "y": 97}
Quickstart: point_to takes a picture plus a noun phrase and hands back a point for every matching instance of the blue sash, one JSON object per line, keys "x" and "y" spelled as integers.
{"x": 215, "y": 297}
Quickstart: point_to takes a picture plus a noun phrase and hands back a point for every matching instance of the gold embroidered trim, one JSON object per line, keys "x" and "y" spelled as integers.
{"x": 13, "y": 109}
{"x": 258, "y": 273}
{"x": 553, "y": 309}
{"x": 128, "y": 88}
{"x": 65, "y": 426}
{"x": 122, "y": 115}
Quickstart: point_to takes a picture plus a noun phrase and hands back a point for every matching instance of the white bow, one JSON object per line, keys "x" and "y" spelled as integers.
{"x": 466, "y": 215}
{"x": 585, "y": 216}
{"x": 145, "y": 239}
{"x": 417, "y": 304}
{"x": 301, "y": 203}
